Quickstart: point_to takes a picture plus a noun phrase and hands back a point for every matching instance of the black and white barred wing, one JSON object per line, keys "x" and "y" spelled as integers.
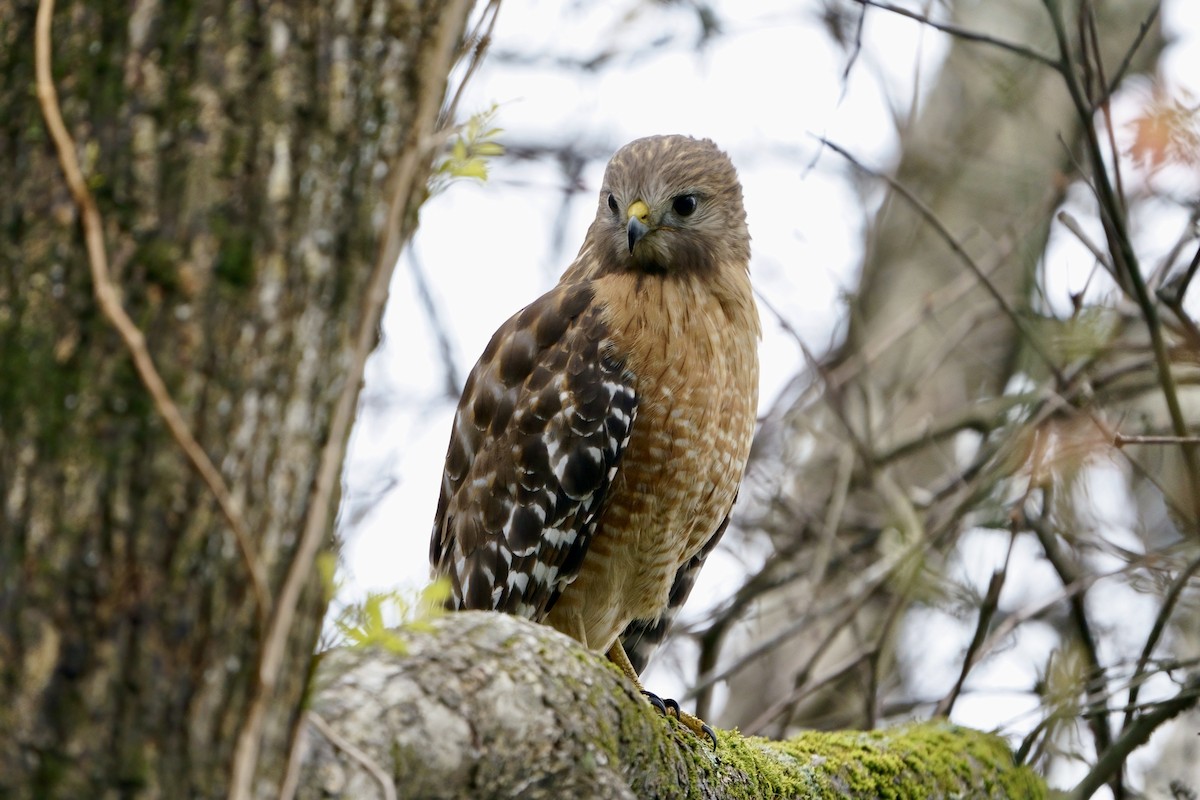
{"x": 539, "y": 432}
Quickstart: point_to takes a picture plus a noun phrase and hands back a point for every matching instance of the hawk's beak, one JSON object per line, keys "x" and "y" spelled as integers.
{"x": 639, "y": 222}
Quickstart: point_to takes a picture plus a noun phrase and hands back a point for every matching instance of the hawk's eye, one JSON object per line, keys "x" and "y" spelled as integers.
{"x": 684, "y": 204}
{"x": 612, "y": 202}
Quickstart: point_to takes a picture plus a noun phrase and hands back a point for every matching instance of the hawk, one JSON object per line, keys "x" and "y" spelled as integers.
{"x": 601, "y": 438}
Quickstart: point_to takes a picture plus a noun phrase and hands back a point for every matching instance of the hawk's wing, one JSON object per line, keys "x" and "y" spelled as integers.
{"x": 541, "y": 425}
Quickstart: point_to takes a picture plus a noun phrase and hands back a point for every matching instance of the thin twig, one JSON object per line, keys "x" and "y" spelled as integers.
{"x": 843, "y": 608}
{"x": 927, "y": 214}
{"x": 109, "y": 299}
{"x": 295, "y": 761}
{"x": 452, "y": 386}
{"x": 1122, "y": 247}
{"x": 965, "y": 33}
{"x": 1173, "y": 290}
{"x": 1127, "y": 62}
{"x": 987, "y": 610}
{"x": 1160, "y": 624}
{"x": 806, "y": 688}
{"x": 1172, "y": 293}
{"x": 901, "y": 602}
{"x": 854, "y": 52}
{"x": 1013, "y": 621}
{"x": 316, "y": 524}
{"x": 1068, "y": 220}
{"x": 348, "y": 747}
{"x": 1102, "y": 103}
{"x": 1179, "y": 286}
{"x": 907, "y": 322}
{"x": 1134, "y": 736}
{"x": 1121, "y": 439}
{"x": 711, "y": 637}
{"x": 1094, "y": 689}
{"x": 477, "y": 43}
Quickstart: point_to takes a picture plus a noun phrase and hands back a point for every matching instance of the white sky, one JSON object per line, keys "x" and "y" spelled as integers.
{"x": 760, "y": 91}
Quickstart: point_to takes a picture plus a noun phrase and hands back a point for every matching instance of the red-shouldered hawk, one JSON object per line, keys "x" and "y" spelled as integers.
{"x": 602, "y": 436}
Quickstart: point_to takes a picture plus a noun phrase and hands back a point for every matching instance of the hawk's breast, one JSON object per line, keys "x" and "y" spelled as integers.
{"x": 696, "y": 380}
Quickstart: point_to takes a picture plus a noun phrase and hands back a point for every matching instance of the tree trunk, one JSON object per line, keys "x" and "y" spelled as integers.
{"x": 238, "y": 155}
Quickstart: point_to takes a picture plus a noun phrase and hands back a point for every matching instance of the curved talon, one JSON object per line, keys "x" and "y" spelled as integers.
{"x": 668, "y": 707}
{"x": 657, "y": 702}
{"x": 616, "y": 654}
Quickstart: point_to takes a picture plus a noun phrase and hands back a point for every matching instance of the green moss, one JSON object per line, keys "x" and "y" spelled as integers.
{"x": 235, "y": 259}
{"x": 34, "y": 376}
{"x": 159, "y": 258}
{"x": 133, "y": 768}
{"x": 932, "y": 759}
{"x": 52, "y": 766}
{"x": 919, "y": 760}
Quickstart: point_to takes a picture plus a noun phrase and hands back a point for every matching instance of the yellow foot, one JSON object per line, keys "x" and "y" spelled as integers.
{"x": 616, "y": 654}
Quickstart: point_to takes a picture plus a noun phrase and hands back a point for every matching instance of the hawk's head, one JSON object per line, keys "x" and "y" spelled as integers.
{"x": 670, "y": 204}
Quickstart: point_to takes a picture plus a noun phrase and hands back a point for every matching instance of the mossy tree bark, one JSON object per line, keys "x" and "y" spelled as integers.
{"x": 240, "y": 157}
{"x": 483, "y": 705}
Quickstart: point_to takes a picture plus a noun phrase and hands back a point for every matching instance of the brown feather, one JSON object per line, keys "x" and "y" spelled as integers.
{"x": 540, "y": 426}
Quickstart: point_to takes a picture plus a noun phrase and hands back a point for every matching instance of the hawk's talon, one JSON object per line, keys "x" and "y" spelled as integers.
{"x": 657, "y": 702}
{"x": 669, "y": 707}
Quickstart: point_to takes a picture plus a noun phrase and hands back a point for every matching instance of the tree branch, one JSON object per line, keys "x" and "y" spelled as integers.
{"x": 936, "y": 224}
{"x": 490, "y": 705}
{"x": 1135, "y": 735}
{"x": 966, "y": 34}
{"x": 1169, "y": 601}
{"x": 1124, "y": 258}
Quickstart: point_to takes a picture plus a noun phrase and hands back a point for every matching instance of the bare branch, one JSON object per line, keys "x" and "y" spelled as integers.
{"x": 1068, "y": 220}
{"x": 452, "y": 385}
{"x": 346, "y": 746}
{"x": 475, "y": 45}
{"x": 1090, "y": 39}
{"x": 964, "y": 33}
{"x": 987, "y": 610}
{"x": 1094, "y": 689}
{"x": 843, "y": 607}
{"x": 1170, "y": 599}
{"x": 1134, "y": 736}
{"x": 1121, "y": 439}
{"x": 931, "y": 218}
{"x": 1121, "y": 245}
{"x": 1127, "y": 61}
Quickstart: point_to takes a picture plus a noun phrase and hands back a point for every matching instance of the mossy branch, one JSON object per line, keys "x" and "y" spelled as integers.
{"x": 486, "y": 705}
